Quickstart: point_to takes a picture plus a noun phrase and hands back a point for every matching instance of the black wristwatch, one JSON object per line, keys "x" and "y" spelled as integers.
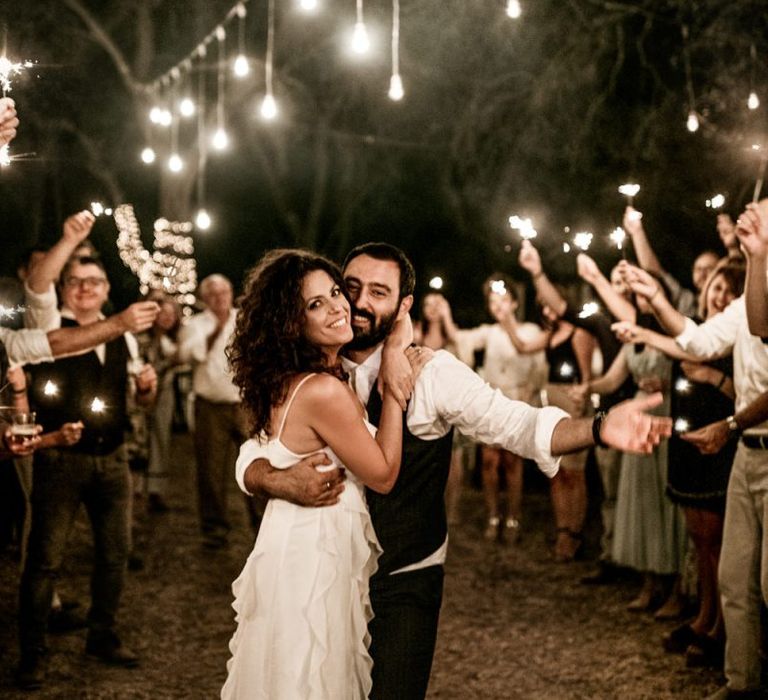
{"x": 597, "y": 424}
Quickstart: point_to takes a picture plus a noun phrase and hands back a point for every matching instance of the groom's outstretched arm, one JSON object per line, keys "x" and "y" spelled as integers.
{"x": 301, "y": 484}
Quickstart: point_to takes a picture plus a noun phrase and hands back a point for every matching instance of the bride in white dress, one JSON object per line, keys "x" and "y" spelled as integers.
{"x": 301, "y": 601}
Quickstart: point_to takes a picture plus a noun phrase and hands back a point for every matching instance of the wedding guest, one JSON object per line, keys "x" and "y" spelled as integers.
{"x": 518, "y": 377}
{"x": 8, "y": 120}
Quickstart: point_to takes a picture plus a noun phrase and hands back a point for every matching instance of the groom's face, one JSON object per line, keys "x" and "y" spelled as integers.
{"x": 374, "y": 288}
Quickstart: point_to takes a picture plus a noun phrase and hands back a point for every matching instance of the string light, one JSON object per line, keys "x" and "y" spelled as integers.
{"x": 360, "y": 41}
{"x": 220, "y": 139}
{"x": 203, "y": 220}
{"x": 513, "y": 9}
{"x": 148, "y": 155}
{"x": 753, "y": 101}
{"x": 241, "y": 67}
{"x": 97, "y": 208}
{"x": 716, "y": 202}
{"x": 308, "y": 5}
{"x": 683, "y": 386}
{"x": 175, "y": 163}
{"x": 692, "y": 124}
{"x": 187, "y": 107}
{"x": 5, "y": 156}
{"x": 582, "y": 240}
{"x": 682, "y": 425}
{"x": 268, "y": 107}
{"x": 396, "y": 91}
{"x": 436, "y": 283}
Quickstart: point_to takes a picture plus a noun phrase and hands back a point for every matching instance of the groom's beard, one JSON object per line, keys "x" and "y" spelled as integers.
{"x": 374, "y": 334}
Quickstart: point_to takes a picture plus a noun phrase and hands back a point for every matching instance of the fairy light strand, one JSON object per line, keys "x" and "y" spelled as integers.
{"x": 396, "y": 82}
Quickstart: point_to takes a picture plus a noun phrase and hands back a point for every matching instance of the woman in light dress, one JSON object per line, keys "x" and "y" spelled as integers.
{"x": 301, "y": 601}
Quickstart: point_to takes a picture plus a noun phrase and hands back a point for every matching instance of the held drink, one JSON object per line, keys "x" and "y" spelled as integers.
{"x": 23, "y": 431}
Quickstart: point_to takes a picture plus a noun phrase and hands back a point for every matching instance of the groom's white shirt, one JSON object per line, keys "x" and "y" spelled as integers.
{"x": 448, "y": 393}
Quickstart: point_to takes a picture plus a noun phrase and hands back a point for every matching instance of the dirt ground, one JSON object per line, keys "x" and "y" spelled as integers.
{"x": 514, "y": 623}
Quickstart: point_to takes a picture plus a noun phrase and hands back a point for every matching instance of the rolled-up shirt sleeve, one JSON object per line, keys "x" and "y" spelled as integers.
{"x": 26, "y": 346}
{"x": 41, "y": 310}
{"x": 715, "y": 337}
{"x": 193, "y": 341}
{"x": 249, "y": 450}
{"x": 448, "y": 393}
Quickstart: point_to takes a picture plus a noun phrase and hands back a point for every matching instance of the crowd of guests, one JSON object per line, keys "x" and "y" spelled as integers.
{"x": 698, "y": 496}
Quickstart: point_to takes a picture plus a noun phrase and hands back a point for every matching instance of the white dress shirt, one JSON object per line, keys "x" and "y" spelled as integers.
{"x": 211, "y": 378}
{"x": 729, "y": 332}
{"x": 26, "y": 346}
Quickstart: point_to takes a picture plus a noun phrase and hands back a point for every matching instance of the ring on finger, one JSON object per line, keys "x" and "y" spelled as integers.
{"x": 327, "y": 485}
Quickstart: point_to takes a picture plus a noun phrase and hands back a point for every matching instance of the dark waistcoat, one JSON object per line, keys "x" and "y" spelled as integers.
{"x": 410, "y": 520}
{"x": 78, "y": 381}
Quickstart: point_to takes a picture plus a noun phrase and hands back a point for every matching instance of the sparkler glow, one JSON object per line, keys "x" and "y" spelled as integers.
{"x": 513, "y": 9}
{"x": 618, "y": 236}
{"x": 50, "y": 388}
{"x": 8, "y": 69}
{"x": 187, "y": 107}
{"x": 682, "y": 425}
{"x": 241, "y": 67}
{"x": 682, "y": 386}
{"x": 692, "y": 124}
{"x": 716, "y": 202}
{"x": 498, "y": 287}
{"x": 437, "y": 283}
{"x": 396, "y": 91}
{"x": 5, "y": 156}
{"x": 97, "y": 405}
{"x": 630, "y": 190}
{"x": 524, "y": 227}
{"x": 589, "y": 309}
{"x": 582, "y": 240}
{"x": 203, "y": 220}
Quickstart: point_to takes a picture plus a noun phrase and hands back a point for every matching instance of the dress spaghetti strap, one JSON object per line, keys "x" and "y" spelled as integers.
{"x": 290, "y": 402}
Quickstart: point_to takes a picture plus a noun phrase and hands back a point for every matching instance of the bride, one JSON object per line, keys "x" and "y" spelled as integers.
{"x": 301, "y": 601}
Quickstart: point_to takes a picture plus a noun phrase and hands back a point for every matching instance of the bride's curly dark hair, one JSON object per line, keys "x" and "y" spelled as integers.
{"x": 268, "y": 347}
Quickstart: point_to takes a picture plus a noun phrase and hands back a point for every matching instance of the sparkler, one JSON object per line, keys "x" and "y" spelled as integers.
{"x": 582, "y": 240}
{"x": 589, "y": 309}
{"x": 10, "y": 312}
{"x": 682, "y": 386}
{"x": 498, "y": 287}
{"x": 50, "y": 388}
{"x": 619, "y": 236}
{"x": 566, "y": 371}
{"x": 682, "y": 425}
{"x": 97, "y": 405}
{"x": 716, "y": 202}
{"x": 8, "y": 69}
{"x": 629, "y": 190}
{"x": 524, "y": 227}
{"x": 436, "y": 283}
{"x": 756, "y": 147}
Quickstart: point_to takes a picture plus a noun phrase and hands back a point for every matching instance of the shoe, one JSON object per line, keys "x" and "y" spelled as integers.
{"x": 63, "y": 621}
{"x": 705, "y": 652}
{"x": 492, "y": 528}
{"x": 605, "y": 574}
{"x": 157, "y": 504}
{"x": 511, "y": 530}
{"x": 679, "y": 639}
{"x": 108, "y": 648}
{"x": 30, "y": 673}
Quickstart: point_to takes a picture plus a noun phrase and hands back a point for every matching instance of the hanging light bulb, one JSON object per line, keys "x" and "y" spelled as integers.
{"x": 203, "y": 220}
{"x": 753, "y": 102}
{"x": 155, "y": 115}
{"x": 186, "y": 107}
{"x": 220, "y": 139}
{"x": 513, "y": 9}
{"x": 166, "y": 118}
{"x": 268, "y": 107}
{"x": 693, "y": 122}
{"x": 148, "y": 155}
{"x": 175, "y": 163}
{"x": 360, "y": 41}
{"x": 396, "y": 91}
{"x": 308, "y": 5}
{"x": 241, "y": 67}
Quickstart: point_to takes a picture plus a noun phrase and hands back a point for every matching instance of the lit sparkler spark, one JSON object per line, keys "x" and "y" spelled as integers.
{"x": 566, "y": 370}
{"x": 589, "y": 309}
{"x": 618, "y": 236}
{"x": 629, "y": 190}
{"x": 97, "y": 405}
{"x": 716, "y": 202}
{"x": 582, "y": 240}
{"x": 682, "y": 425}
{"x": 682, "y": 386}
{"x": 436, "y": 283}
{"x": 8, "y": 69}
{"x": 97, "y": 208}
{"x": 50, "y": 388}
{"x": 524, "y": 227}
{"x": 10, "y": 311}
{"x": 498, "y": 287}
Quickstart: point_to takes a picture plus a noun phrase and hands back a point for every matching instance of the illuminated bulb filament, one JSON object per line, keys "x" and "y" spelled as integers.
{"x": 148, "y": 155}
{"x": 241, "y": 67}
{"x": 396, "y": 91}
{"x": 203, "y": 220}
{"x": 268, "y": 107}
{"x": 513, "y": 9}
{"x": 693, "y": 122}
{"x": 360, "y": 41}
{"x": 220, "y": 140}
{"x": 436, "y": 283}
{"x": 175, "y": 163}
{"x": 753, "y": 102}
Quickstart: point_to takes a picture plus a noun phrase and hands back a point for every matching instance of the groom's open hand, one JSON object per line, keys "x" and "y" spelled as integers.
{"x": 302, "y": 484}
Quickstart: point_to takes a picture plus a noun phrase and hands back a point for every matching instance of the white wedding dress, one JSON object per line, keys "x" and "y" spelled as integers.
{"x": 301, "y": 601}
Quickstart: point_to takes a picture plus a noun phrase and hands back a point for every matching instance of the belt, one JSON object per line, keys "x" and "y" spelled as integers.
{"x": 755, "y": 442}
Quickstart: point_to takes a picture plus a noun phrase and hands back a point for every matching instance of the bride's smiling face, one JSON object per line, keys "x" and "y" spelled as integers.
{"x": 326, "y": 311}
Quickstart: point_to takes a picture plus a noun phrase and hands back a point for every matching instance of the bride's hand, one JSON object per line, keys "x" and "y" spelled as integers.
{"x": 401, "y": 336}
{"x": 418, "y": 356}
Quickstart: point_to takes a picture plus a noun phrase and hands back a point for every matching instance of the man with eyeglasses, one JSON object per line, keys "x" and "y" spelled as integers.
{"x": 92, "y": 387}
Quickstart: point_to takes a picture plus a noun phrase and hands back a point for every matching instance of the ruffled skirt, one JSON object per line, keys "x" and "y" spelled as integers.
{"x": 302, "y": 605}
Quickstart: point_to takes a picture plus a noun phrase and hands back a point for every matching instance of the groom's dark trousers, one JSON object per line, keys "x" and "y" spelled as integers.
{"x": 411, "y": 526}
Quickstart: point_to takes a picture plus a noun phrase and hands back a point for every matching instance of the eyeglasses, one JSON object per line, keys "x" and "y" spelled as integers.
{"x": 85, "y": 281}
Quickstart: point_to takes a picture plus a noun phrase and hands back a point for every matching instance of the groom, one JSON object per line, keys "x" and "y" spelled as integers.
{"x": 410, "y": 521}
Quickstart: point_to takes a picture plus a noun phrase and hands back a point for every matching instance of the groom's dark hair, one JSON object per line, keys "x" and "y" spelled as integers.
{"x": 386, "y": 251}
